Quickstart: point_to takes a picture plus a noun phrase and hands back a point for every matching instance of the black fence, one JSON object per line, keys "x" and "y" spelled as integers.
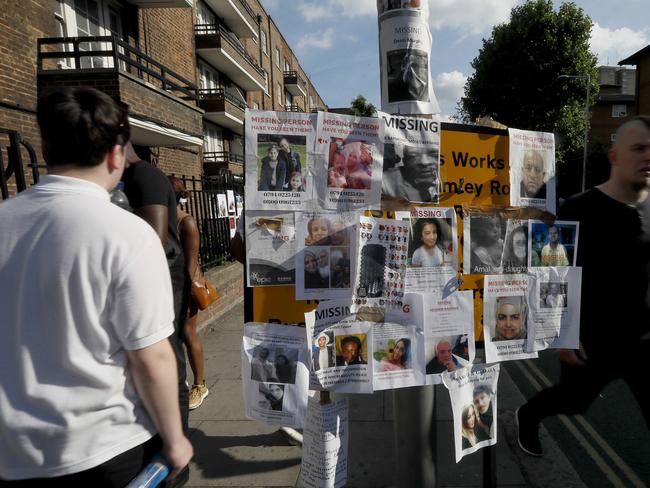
{"x": 14, "y": 150}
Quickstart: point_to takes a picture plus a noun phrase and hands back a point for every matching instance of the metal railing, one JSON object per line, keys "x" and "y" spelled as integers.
{"x": 248, "y": 9}
{"x": 223, "y": 157}
{"x": 207, "y": 29}
{"x": 14, "y": 165}
{"x": 221, "y": 93}
{"x": 293, "y": 108}
{"x": 118, "y": 54}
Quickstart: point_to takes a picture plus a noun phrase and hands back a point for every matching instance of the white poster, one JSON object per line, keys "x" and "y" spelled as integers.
{"x": 398, "y": 356}
{"x": 327, "y": 254}
{"x": 432, "y": 247}
{"x": 325, "y": 445}
{"x": 381, "y": 262}
{"x": 411, "y": 158}
{"x": 239, "y": 202}
{"x": 473, "y": 392}
{"x": 348, "y": 167}
{"x": 405, "y": 57}
{"x": 532, "y": 169}
{"x": 275, "y": 374}
{"x": 341, "y": 348}
{"x": 232, "y": 209}
{"x": 270, "y": 248}
{"x": 278, "y": 159}
{"x": 222, "y": 204}
{"x": 505, "y": 314}
{"x": 553, "y": 244}
{"x": 554, "y": 308}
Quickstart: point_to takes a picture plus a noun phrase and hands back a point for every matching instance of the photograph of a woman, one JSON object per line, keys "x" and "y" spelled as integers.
{"x": 273, "y": 171}
{"x": 515, "y": 252}
{"x": 486, "y": 245}
{"x": 398, "y": 357}
{"x": 430, "y": 250}
{"x": 272, "y": 396}
{"x": 471, "y": 432}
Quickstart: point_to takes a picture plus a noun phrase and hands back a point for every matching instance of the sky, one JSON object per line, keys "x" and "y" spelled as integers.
{"x": 336, "y": 41}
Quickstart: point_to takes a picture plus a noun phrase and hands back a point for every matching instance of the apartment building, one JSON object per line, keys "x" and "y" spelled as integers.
{"x": 641, "y": 59}
{"x": 187, "y": 69}
{"x": 615, "y": 103}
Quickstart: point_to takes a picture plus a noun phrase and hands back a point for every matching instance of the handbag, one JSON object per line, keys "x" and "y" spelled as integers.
{"x": 204, "y": 295}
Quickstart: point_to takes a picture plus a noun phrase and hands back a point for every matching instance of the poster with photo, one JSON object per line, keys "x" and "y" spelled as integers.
{"x": 344, "y": 343}
{"x": 239, "y": 203}
{"x": 398, "y": 356}
{"x": 405, "y": 57}
{"x": 222, "y": 205}
{"x": 275, "y": 374}
{"x": 532, "y": 169}
{"x": 553, "y": 244}
{"x": 515, "y": 249}
{"x": 232, "y": 208}
{"x": 270, "y": 248}
{"x": 381, "y": 262}
{"x": 411, "y": 158}
{"x": 325, "y": 445}
{"x": 554, "y": 308}
{"x": 232, "y": 225}
{"x": 473, "y": 393}
{"x": 432, "y": 247}
{"x": 326, "y": 254}
{"x": 505, "y": 317}
{"x": 348, "y": 170}
{"x": 278, "y": 159}
{"x": 483, "y": 243}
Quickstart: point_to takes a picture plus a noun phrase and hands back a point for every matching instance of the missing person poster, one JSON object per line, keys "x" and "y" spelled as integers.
{"x": 270, "y": 248}
{"x": 505, "y": 317}
{"x": 348, "y": 171}
{"x": 326, "y": 254}
{"x": 381, "y": 262}
{"x": 232, "y": 209}
{"x": 222, "y": 205}
{"x": 473, "y": 393}
{"x": 398, "y": 356}
{"x": 341, "y": 348}
{"x": 411, "y": 158}
{"x": 278, "y": 159}
{"x": 554, "y": 308}
{"x": 553, "y": 244}
{"x": 275, "y": 374}
{"x": 405, "y": 57}
{"x": 532, "y": 169}
{"x": 325, "y": 445}
{"x": 432, "y": 247}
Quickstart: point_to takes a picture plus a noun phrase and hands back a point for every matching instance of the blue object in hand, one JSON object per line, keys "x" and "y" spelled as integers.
{"x": 152, "y": 475}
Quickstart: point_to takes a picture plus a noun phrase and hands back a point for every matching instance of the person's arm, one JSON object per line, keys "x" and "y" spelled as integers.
{"x": 156, "y": 380}
{"x": 191, "y": 242}
{"x": 157, "y": 217}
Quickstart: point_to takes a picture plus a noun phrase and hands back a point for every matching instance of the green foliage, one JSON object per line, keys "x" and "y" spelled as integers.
{"x": 361, "y": 106}
{"x": 517, "y": 69}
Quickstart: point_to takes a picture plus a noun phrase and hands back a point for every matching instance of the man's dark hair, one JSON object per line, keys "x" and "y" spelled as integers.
{"x": 354, "y": 339}
{"x": 80, "y": 125}
{"x": 478, "y": 389}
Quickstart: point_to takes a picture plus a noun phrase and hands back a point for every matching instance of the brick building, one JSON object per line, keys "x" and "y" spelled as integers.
{"x": 615, "y": 103}
{"x": 641, "y": 59}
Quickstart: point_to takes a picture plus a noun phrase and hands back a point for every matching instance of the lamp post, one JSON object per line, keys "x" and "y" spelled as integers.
{"x": 584, "y": 154}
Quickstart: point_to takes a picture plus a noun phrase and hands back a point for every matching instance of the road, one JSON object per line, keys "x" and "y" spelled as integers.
{"x": 610, "y": 444}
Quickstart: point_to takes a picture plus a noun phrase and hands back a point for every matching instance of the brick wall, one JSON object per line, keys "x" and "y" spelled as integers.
{"x": 229, "y": 281}
{"x": 179, "y": 161}
{"x": 643, "y": 72}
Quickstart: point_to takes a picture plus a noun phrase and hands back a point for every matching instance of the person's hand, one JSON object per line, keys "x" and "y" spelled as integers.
{"x": 178, "y": 455}
{"x": 451, "y": 366}
{"x": 573, "y": 356}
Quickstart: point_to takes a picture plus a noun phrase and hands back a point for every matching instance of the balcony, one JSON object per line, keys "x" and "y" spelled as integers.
{"x": 162, "y": 104}
{"x": 293, "y": 108}
{"x": 161, "y": 3}
{"x": 293, "y": 84}
{"x": 238, "y": 16}
{"x": 224, "y": 51}
{"x": 223, "y": 109}
{"x": 214, "y": 162}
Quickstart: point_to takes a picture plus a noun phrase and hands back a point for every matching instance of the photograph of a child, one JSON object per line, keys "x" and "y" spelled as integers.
{"x": 282, "y": 162}
{"x": 350, "y": 164}
{"x": 553, "y": 294}
{"x": 392, "y": 354}
{"x": 430, "y": 243}
{"x": 322, "y": 351}
{"x": 271, "y": 396}
{"x": 351, "y": 349}
{"x": 277, "y": 365}
{"x": 487, "y": 241}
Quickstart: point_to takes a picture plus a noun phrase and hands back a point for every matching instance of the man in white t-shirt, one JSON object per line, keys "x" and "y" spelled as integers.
{"x": 88, "y": 376}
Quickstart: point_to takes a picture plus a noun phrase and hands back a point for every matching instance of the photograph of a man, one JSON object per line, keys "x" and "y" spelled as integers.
{"x": 350, "y": 351}
{"x": 483, "y": 403}
{"x": 262, "y": 368}
{"x": 510, "y": 319}
{"x": 408, "y": 75}
{"x": 416, "y": 178}
{"x": 444, "y": 359}
{"x": 322, "y": 356}
{"x": 552, "y": 295}
{"x": 554, "y": 253}
{"x": 533, "y": 174}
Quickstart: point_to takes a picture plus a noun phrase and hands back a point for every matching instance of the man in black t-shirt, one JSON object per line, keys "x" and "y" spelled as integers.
{"x": 614, "y": 263}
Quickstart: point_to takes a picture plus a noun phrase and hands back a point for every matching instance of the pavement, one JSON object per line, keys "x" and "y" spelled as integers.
{"x": 230, "y": 450}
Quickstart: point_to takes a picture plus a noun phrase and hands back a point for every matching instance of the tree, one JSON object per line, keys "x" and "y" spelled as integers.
{"x": 516, "y": 72}
{"x": 361, "y": 106}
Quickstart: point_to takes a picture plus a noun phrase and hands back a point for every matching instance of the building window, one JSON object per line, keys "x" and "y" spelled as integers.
{"x": 311, "y": 102}
{"x": 277, "y": 57}
{"x": 279, "y": 93}
{"x": 256, "y": 106}
{"x": 612, "y": 137}
{"x": 619, "y": 111}
{"x": 212, "y": 139}
{"x": 266, "y": 82}
{"x": 286, "y": 65}
{"x": 209, "y": 78}
{"x": 263, "y": 41}
{"x": 204, "y": 15}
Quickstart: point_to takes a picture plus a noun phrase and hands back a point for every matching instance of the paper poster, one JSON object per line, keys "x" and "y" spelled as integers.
{"x": 270, "y": 248}
{"x": 275, "y": 374}
{"x": 411, "y": 158}
{"x": 473, "y": 393}
{"x": 326, "y": 254}
{"x": 341, "y": 347}
{"x": 398, "y": 356}
{"x": 432, "y": 247}
{"x": 381, "y": 262}
{"x": 348, "y": 170}
{"x": 230, "y": 195}
{"x": 554, "y": 308}
{"x": 325, "y": 445}
{"x": 239, "y": 203}
{"x": 222, "y": 205}
{"x": 515, "y": 249}
{"x": 405, "y": 57}
{"x": 232, "y": 225}
{"x": 483, "y": 243}
{"x": 553, "y": 244}
{"x": 532, "y": 169}
{"x": 278, "y": 159}
{"x": 505, "y": 317}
